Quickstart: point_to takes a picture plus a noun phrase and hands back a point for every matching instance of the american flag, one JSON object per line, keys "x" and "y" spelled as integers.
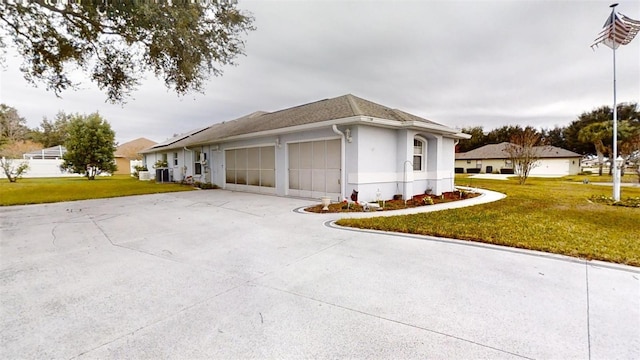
{"x": 617, "y": 30}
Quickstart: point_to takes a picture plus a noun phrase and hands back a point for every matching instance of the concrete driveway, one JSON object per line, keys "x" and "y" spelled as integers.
{"x": 217, "y": 274}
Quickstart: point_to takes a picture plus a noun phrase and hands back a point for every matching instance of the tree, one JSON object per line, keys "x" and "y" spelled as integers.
{"x": 477, "y": 139}
{"x": 10, "y": 155}
{"x": 117, "y": 42}
{"x": 90, "y": 146}
{"x": 505, "y": 133}
{"x": 629, "y": 141}
{"x": 54, "y": 132}
{"x": 524, "y": 152}
{"x": 12, "y": 125}
{"x": 596, "y": 133}
{"x": 13, "y": 133}
{"x": 554, "y": 137}
{"x": 626, "y": 111}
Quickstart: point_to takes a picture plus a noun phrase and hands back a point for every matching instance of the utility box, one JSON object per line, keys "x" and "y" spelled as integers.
{"x": 162, "y": 175}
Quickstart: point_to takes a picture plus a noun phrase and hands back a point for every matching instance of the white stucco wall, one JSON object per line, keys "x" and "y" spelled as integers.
{"x": 384, "y": 159}
{"x": 556, "y": 167}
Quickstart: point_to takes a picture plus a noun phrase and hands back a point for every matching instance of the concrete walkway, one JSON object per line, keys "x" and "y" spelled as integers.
{"x": 224, "y": 275}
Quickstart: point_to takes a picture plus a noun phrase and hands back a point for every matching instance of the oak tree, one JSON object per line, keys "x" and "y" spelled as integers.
{"x": 115, "y": 43}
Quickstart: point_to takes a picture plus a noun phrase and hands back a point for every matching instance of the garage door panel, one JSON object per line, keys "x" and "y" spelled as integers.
{"x": 306, "y": 152}
{"x": 268, "y": 178}
{"x": 294, "y": 179}
{"x": 241, "y": 177}
{"x": 333, "y": 181}
{"x": 319, "y": 181}
{"x": 318, "y": 156}
{"x": 241, "y": 159}
{"x": 294, "y": 156}
{"x": 253, "y": 158}
{"x": 305, "y": 179}
{"x": 268, "y": 157}
{"x": 333, "y": 154}
{"x": 230, "y": 176}
{"x": 253, "y": 177}
{"x": 230, "y": 159}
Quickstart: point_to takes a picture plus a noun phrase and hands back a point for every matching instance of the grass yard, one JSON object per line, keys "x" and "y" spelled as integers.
{"x": 551, "y": 215}
{"x": 48, "y": 190}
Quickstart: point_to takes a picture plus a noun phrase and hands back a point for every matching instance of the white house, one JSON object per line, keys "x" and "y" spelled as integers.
{"x": 326, "y": 148}
{"x": 552, "y": 160}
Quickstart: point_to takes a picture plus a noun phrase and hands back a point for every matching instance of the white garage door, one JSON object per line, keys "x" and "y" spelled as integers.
{"x": 251, "y": 169}
{"x": 552, "y": 167}
{"x": 314, "y": 169}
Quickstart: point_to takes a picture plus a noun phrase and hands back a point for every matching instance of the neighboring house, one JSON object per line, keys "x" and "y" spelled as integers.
{"x": 129, "y": 151}
{"x": 325, "y": 148}
{"x": 553, "y": 161}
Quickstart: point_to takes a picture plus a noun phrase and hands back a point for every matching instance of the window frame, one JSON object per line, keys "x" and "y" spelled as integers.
{"x": 197, "y": 165}
{"x": 421, "y": 155}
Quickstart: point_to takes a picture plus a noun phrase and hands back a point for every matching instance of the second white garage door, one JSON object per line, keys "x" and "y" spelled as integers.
{"x": 314, "y": 168}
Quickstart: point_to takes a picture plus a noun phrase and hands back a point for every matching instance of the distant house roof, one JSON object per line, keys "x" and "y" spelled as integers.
{"x": 342, "y": 107}
{"x": 497, "y": 151}
{"x": 54, "y": 152}
{"x": 130, "y": 149}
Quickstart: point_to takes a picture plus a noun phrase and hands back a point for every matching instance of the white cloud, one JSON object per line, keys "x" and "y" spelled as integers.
{"x": 461, "y": 63}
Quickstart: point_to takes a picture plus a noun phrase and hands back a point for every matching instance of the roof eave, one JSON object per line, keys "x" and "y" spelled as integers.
{"x": 352, "y": 120}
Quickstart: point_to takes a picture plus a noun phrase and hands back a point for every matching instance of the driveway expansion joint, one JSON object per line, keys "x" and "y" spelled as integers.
{"x": 396, "y": 321}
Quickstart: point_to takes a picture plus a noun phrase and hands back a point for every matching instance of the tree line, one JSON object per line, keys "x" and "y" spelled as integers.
{"x": 591, "y": 133}
{"x": 88, "y": 139}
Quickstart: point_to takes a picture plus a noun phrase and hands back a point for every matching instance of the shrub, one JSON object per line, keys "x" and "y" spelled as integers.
{"x": 606, "y": 200}
{"x": 205, "y": 185}
{"x": 137, "y": 169}
{"x": 160, "y": 164}
{"x": 473, "y": 171}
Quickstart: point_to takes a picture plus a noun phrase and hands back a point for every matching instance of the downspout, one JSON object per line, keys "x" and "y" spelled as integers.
{"x": 343, "y": 161}
{"x": 453, "y": 176}
{"x": 184, "y": 176}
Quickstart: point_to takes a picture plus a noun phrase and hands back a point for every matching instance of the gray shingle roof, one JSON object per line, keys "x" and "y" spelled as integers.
{"x": 324, "y": 110}
{"x": 496, "y": 151}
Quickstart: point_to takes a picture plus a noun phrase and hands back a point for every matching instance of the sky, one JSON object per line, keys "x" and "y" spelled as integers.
{"x": 458, "y": 63}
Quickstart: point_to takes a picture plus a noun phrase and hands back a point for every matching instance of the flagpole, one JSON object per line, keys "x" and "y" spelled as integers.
{"x": 614, "y": 155}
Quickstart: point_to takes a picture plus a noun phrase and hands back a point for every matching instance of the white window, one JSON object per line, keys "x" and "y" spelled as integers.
{"x": 418, "y": 154}
{"x": 198, "y": 164}
{"x": 508, "y": 164}
{"x": 478, "y": 164}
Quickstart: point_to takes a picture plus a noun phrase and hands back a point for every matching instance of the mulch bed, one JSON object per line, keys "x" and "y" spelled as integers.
{"x": 417, "y": 200}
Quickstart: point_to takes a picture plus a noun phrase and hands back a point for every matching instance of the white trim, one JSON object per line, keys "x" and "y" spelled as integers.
{"x": 247, "y": 147}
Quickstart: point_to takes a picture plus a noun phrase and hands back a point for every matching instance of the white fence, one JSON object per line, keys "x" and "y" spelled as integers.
{"x": 39, "y": 168}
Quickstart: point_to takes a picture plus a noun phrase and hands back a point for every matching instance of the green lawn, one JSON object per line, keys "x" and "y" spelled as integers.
{"x": 552, "y": 215}
{"x": 48, "y": 190}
